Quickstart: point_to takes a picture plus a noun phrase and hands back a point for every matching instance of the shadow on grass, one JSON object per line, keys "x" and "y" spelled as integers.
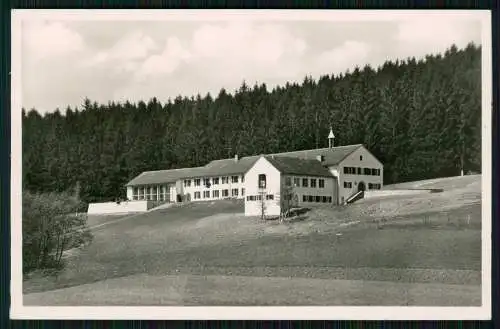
{"x": 295, "y": 215}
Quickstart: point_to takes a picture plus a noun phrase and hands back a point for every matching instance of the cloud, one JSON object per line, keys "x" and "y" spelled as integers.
{"x": 433, "y": 35}
{"x": 125, "y": 54}
{"x": 46, "y": 40}
{"x": 167, "y": 62}
{"x": 348, "y": 55}
{"x": 138, "y": 60}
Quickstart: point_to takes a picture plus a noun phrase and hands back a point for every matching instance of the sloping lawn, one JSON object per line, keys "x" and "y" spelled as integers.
{"x": 162, "y": 247}
{"x": 437, "y": 244}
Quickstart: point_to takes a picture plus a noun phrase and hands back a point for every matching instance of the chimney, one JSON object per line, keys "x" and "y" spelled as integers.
{"x": 236, "y": 158}
{"x": 320, "y": 158}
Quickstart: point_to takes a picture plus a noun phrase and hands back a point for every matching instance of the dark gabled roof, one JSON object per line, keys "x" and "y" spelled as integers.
{"x": 333, "y": 156}
{"x": 163, "y": 176}
{"x": 227, "y": 167}
{"x": 297, "y": 166}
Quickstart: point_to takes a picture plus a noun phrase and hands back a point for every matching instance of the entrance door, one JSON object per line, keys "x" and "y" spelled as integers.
{"x": 361, "y": 186}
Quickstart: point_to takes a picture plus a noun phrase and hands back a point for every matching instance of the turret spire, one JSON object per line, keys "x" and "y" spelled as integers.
{"x": 331, "y": 138}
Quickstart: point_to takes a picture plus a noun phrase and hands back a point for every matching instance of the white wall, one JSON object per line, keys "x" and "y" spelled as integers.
{"x": 330, "y": 189}
{"x": 273, "y": 186}
{"x": 130, "y": 193}
{"x": 353, "y": 160}
{"x": 219, "y": 187}
{"x": 122, "y": 208}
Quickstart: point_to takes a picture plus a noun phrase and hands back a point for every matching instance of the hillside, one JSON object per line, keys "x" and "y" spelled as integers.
{"x": 208, "y": 252}
{"x": 422, "y": 119}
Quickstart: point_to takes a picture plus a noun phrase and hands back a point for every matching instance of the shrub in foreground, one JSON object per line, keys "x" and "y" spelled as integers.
{"x": 51, "y": 224}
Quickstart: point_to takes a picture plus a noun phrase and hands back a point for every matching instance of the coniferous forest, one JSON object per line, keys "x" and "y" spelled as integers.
{"x": 421, "y": 118}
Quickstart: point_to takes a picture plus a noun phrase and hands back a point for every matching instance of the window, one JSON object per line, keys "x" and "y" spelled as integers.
{"x": 373, "y": 172}
{"x": 234, "y": 192}
{"x": 262, "y": 181}
{"x": 324, "y": 199}
{"x": 242, "y": 179}
{"x": 318, "y": 198}
{"x": 350, "y": 170}
{"x": 378, "y": 172}
{"x": 288, "y": 181}
{"x": 135, "y": 193}
{"x": 225, "y": 193}
{"x": 304, "y": 198}
{"x": 321, "y": 183}
{"x": 141, "y": 193}
{"x": 348, "y": 184}
{"x": 367, "y": 171}
{"x": 360, "y": 158}
{"x": 206, "y": 194}
{"x": 197, "y": 182}
{"x": 270, "y": 197}
{"x": 215, "y": 180}
{"x": 197, "y": 195}
{"x": 234, "y": 179}
{"x": 322, "y": 158}
{"x": 305, "y": 182}
{"x": 329, "y": 199}
{"x": 163, "y": 192}
{"x": 310, "y": 198}
{"x": 215, "y": 193}
{"x": 296, "y": 182}
{"x": 206, "y": 182}
{"x": 187, "y": 183}
{"x": 313, "y": 182}
{"x": 224, "y": 180}
{"x": 242, "y": 192}
{"x": 359, "y": 171}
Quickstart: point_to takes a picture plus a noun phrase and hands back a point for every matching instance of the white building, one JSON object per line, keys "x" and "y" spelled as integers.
{"x": 276, "y": 183}
{"x": 345, "y": 171}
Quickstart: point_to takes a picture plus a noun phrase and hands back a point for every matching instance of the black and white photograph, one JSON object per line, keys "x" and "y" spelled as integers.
{"x": 269, "y": 164}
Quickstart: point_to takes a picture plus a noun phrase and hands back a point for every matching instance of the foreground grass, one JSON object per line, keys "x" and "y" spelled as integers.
{"x": 404, "y": 251}
{"x": 193, "y": 290}
{"x": 421, "y": 245}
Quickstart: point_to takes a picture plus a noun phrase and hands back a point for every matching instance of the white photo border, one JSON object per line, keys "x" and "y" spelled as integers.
{"x": 18, "y": 311}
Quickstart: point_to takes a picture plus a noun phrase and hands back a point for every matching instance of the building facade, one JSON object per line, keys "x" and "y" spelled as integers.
{"x": 345, "y": 170}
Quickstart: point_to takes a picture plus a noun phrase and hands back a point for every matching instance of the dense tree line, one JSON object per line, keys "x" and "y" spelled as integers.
{"x": 421, "y": 118}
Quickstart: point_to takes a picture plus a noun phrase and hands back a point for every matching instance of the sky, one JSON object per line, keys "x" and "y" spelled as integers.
{"x": 64, "y": 61}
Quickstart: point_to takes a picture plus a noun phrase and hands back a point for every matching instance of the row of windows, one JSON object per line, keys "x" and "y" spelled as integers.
{"x": 317, "y": 198}
{"x": 154, "y": 193}
{"x": 219, "y": 193}
{"x": 259, "y": 197}
{"x": 305, "y": 198}
{"x": 306, "y": 182}
{"x": 215, "y": 181}
{"x": 297, "y": 182}
{"x": 374, "y": 186}
{"x": 361, "y": 171}
{"x": 371, "y": 186}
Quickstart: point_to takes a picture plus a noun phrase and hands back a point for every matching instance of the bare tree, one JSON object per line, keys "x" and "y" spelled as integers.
{"x": 263, "y": 208}
{"x": 287, "y": 201}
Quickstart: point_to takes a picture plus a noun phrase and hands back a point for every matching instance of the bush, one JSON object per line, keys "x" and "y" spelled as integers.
{"x": 51, "y": 223}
